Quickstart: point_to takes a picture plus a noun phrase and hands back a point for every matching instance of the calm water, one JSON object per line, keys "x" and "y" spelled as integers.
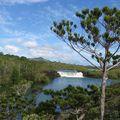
{"x": 61, "y": 82}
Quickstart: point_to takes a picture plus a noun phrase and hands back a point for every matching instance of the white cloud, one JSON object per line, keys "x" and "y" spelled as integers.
{"x": 30, "y": 44}
{"x": 12, "y": 2}
{"x": 22, "y": 36}
{"x": 53, "y": 52}
{"x": 5, "y": 18}
{"x": 59, "y": 52}
{"x": 19, "y": 40}
{"x": 59, "y": 12}
{"x": 12, "y": 40}
{"x": 11, "y": 49}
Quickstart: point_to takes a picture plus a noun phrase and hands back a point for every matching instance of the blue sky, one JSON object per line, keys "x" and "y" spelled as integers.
{"x": 24, "y": 27}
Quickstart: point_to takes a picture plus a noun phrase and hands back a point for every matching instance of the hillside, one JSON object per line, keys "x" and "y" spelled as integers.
{"x": 20, "y": 76}
{"x": 14, "y": 69}
{"x": 38, "y": 59}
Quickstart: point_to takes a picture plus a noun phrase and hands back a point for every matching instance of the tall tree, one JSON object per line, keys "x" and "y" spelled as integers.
{"x": 15, "y": 75}
{"x": 98, "y": 34}
{"x": 74, "y": 102}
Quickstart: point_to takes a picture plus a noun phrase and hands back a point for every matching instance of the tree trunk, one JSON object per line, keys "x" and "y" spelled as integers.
{"x": 103, "y": 87}
{"x": 81, "y": 117}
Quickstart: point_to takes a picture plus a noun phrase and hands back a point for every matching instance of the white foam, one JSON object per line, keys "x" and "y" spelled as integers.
{"x": 71, "y": 74}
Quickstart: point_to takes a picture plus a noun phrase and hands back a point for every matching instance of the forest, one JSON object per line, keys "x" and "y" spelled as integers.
{"x": 23, "y": 80}
{"x": 20, "y": 76}
{"x": 14, "y": 69}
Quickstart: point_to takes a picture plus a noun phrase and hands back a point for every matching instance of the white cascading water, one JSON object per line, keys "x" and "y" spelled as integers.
{"x": 71, "y": 74}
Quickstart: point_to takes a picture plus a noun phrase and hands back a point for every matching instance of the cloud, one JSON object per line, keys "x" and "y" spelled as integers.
{"x": 14, "y": 40}
{"x": 56, "y": 52}
{"x": 11, "y": 49}
{"x": 12, "y": 2}
{"x": 59, "y": 52}
{"x": 30, "y": 44}
{"x": 23, "y": 35}
{"x": 19, "y": 40}
{"x": 5, "y": 18}
{"x": 60, "y": 12}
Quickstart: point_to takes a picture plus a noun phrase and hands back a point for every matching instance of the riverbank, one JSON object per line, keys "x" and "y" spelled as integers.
{"x": 37, "y": 86}
{"x": 14, "y": 69}
{"x": 112, "y": 74}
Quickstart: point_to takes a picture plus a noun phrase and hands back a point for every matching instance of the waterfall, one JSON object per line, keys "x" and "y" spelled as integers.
{"x": 70, "y": 73}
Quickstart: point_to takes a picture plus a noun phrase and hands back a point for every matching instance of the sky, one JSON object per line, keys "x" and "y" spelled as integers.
{"x": 25, "y": 27}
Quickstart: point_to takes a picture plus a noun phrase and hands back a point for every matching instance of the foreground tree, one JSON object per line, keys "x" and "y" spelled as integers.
{"x": 97, "y": 35}
{"x": 71, "y": 103}
{"x": 15, "y": 104}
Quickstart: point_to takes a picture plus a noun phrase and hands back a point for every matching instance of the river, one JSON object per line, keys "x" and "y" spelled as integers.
{"x": 62, "y": 82}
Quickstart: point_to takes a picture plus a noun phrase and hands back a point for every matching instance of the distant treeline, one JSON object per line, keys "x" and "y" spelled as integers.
{"x": 14, "y": 69}
{"x": 113, "y": 74}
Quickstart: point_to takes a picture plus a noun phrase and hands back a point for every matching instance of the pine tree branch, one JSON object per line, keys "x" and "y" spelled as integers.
{"x": 113, "y": 66}
{"x": 71, "y": 46}
{"x": 114, "y": 52}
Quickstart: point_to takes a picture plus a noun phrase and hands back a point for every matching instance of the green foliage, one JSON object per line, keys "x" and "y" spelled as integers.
{"x": 31, "y": 117}
{"x": 16, "y": 102}
{"x": 14, "y": 69}
{"x": 74, "y": 101}
{"x": 14, "y": 75}
{"x": 94, "y": 74}
{"x": 43, "y": 78}
{"x": 22, "y": 88}
{"x": 37, "y": 117}
{"x": 114, "y": 74}
{"x": 101, "y": 31}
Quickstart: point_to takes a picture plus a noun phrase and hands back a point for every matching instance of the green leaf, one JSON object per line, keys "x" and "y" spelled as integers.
{"x": 83, "y": 24}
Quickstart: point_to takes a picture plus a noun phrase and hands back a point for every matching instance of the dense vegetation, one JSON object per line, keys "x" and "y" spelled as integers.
{"x": 19, "y": 75}
{"x": 76, "y": 103}
{"x": 14, "y": 69}
{"x": 71, "y": 103}
{"x": 100, "y": 38}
